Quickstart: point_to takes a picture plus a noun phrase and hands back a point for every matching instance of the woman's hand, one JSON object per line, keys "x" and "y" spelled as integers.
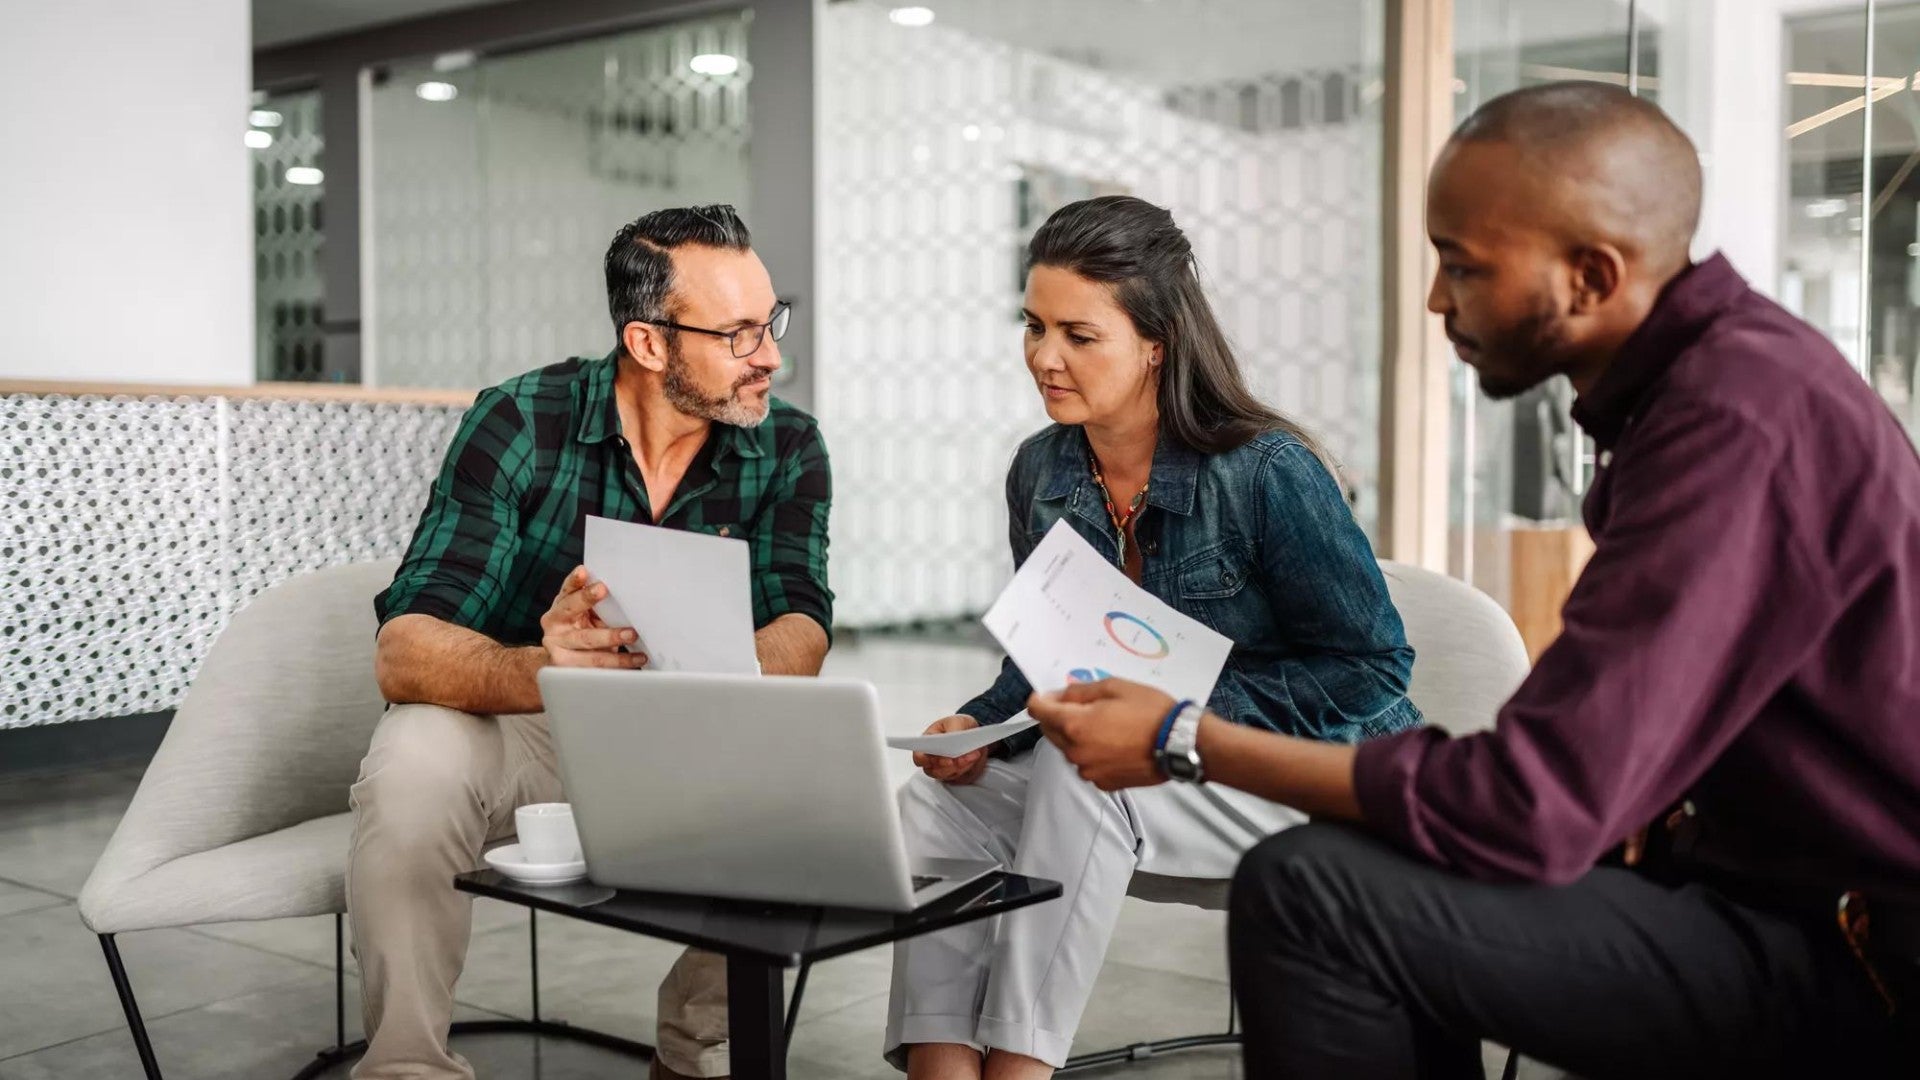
{"x": 964, "y": 769}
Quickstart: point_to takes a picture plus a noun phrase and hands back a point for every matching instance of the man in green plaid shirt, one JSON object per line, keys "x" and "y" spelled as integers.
{"x": 676, "y": 427}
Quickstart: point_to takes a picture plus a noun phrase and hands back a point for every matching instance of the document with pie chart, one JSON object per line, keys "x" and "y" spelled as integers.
{"x": 1071, "y": 616}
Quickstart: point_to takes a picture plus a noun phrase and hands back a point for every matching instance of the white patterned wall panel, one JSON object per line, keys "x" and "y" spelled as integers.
{"x": 919, "y": 383}
{"x": 319, "y": 484}
{"x": 112, "y": 553}
{"x": 929, "y": 139}
{"x": 134, "y": 528}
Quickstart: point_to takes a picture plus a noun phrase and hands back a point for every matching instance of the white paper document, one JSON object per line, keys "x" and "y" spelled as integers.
{"x": 1071, "y": 616}
{"x": 956, "y": 743}
{"x": 686, "y": 594}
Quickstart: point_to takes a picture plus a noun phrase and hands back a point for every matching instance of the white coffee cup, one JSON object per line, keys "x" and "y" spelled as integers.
{"x": 547, "y": 833}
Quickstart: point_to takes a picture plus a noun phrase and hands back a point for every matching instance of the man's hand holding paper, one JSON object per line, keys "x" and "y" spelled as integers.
{"x": 685, "y": 595}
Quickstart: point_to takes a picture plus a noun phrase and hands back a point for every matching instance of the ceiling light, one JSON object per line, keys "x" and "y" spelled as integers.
{"x": 1826, "y": 208}
{"x": 436, "y": 91}
{"x": 911, "y": 16}
{"x": 264, "y": 118}
{"x": 259, "y": 140}
{"x": 714, "y": 64}
{"x": 971, "y": 133}
{"x": 454, "y": 61}
{"x": 305, "y": 175}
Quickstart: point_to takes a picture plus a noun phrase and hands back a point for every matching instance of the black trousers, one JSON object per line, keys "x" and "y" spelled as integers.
{"x": 1353, "y": 960}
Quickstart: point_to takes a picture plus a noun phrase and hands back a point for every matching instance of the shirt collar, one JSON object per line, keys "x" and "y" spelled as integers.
{"x": 599, "y": 411}
{"x": 594, "y": 401}
{"x": 1170, "y": 483}
{"x": 1686, "y": 307}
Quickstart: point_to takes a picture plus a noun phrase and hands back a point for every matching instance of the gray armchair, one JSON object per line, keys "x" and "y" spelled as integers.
{"x": 242, "y": 814}
{"x": 1468, "y": 659}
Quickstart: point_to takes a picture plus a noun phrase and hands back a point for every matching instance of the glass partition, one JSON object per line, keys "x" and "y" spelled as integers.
{"x": 948, "y": 134}
{"x": 289, "y": 297}
{"x": 1520, "y": 467}
{"x": 1892, "y": 193}
{"x": 497, "y": 182}
{"x": 1821, "y": 271}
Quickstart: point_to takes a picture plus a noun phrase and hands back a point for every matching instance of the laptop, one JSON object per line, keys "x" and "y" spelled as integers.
{"x": 751, "y": 787}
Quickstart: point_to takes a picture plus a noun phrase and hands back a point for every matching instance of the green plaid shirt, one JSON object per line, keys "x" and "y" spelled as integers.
{"x": 537, "y": 454}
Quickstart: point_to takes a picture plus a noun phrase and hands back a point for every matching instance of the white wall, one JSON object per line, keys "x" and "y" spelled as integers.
{"x": 1721, "y": 80}
{"x": 126, "y": 247}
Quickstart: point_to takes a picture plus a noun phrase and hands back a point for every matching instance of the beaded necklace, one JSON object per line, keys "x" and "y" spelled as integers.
{"x": 1120, "y": 521}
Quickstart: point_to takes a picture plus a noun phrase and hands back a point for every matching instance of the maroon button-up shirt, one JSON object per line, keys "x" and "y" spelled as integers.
{"x": 1747, "y": 634}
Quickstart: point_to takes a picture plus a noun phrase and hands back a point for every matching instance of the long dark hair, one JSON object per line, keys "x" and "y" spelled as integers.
{"x": 1134, "y": 246}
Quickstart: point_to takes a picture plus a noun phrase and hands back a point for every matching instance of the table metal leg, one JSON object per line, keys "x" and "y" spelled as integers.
{"x": 756, "y": 1020}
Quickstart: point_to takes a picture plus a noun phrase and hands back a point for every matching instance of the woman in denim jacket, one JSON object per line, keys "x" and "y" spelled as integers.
{"x": 1165, "y": 462}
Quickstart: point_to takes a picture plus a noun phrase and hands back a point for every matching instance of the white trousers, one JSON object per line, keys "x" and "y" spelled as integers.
{"x": 1020, "y": 982}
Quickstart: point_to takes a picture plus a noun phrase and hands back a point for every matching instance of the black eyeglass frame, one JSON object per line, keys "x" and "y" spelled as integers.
{"x": 775, "y": 327}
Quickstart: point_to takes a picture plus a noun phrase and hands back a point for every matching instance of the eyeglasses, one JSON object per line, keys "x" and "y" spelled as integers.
{"x": 747, "y": 340}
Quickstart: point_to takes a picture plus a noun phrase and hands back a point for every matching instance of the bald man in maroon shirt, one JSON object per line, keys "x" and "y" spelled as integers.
{"x": 1659, "y": 861}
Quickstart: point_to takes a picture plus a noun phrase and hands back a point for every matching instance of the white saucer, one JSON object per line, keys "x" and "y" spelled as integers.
{"x": 511, "y": 860}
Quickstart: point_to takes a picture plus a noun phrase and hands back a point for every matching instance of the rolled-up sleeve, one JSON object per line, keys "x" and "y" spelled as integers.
{"x": 455, "y": 567}
{"x": 1698, "y": 605}
{"x": 793, "y": 530}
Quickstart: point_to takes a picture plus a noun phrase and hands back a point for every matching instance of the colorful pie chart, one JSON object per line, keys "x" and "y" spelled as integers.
{"x": 1134, "y": 634}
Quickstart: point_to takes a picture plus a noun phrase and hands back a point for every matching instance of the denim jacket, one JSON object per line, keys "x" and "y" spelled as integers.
{"x": 1256, "y": 543}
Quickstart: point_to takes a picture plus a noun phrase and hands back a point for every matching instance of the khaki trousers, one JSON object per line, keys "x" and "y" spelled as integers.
{"x": 437, "y": 786}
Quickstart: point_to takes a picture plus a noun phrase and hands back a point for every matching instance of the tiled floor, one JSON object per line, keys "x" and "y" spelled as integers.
{"x": 254, "y": 1001}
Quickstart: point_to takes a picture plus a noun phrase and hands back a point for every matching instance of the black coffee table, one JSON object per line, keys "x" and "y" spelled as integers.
{"x": 760, "y": 941}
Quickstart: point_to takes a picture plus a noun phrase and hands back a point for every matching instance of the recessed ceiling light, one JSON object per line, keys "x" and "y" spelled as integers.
{"x": 259, "y": 140}
{"x": 911, "y": 16}
{"x": 436, "y": 91}
{"x": 714, "y": 64}
{"x": 264, "y": 118}
{"x": 305, "y": 175}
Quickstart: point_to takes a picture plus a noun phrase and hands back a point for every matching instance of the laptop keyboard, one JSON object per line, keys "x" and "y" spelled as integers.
{"x": 921, "y": 881}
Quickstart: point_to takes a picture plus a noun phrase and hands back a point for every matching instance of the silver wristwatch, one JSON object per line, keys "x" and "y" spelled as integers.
{"x": 1180, "y": 759}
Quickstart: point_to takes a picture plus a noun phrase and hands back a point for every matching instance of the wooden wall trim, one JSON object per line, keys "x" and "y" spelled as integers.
{"x": 1416, "y": 403}
{"x": 271, "y": 391}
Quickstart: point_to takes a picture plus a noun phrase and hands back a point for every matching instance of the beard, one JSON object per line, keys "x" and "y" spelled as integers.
{"x": 1523, "y": 356}
{"x": 731, "y": 408}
